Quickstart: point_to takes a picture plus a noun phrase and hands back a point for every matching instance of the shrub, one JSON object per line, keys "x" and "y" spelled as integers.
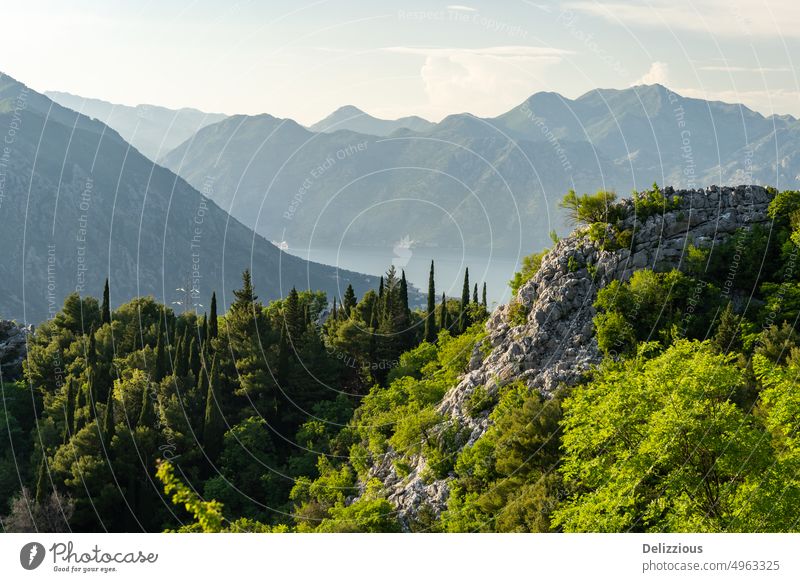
{"x": 590, "y": 208}
{"x": 530, "y": 266}
{"x": 517, "y": 313}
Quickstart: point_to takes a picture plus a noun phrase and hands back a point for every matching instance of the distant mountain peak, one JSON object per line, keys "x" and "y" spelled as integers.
{"x": 351, "y": 118}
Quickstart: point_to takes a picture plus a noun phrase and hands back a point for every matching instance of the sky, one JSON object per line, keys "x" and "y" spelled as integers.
{"x": 302, "y": 59}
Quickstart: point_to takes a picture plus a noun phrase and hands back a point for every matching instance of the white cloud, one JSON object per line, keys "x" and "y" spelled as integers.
{"x": 658, "y": 73}
{"x": 461, "y": 8}
{"x": 484, "y": 81}
{"x": 714, "y": 17}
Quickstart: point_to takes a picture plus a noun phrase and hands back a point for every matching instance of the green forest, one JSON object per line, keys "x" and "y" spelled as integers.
{"x": 270, "y": 417}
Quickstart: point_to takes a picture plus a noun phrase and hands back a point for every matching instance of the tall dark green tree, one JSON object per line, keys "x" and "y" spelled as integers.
{"x": 194, "y": 357}
{"x": 69, "y": 407}
{"x": 42, "y": 481}
{"x": 463, "y": 314}
{"x": 204, "y": 332}
{"x": 349, "y": 302}
{"x": 475, "y": 293}
{"x": 105, "y": 312}
{"x": 430, "y": 317}
{"x": 293, "y": 317}
{"x": 161, "y": 359}
{"x": 213, "y": 325}
{"x": 443, "y": 320}
{"x": 213, "y": 423}
{"x": 483, "y": 297}
{"x": 183, "y": 354}
{"x": 147, "y": 414}
{"x": 108, "y": 424}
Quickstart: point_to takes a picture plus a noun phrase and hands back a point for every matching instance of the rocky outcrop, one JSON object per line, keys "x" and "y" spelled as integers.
{"x": 555, "y": 345}
{"x": 13, "y": 348}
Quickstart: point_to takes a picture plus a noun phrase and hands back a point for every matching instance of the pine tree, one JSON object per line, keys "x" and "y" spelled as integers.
{"x": 443, "y": 323}
{"x": 483, "y": 298}
{"x": 245, "y": 297}
{"x": 293, "y": 317}
{"x": 430, "y": 317}
{"x": 108, "y": 423}
{"x": 475, "y": 294}
{"x": 213, "y": 325}
{"x": 350, "y": 301}
{"x": 105, "y": 313}
{"x": 213, "y": 425}
{"x": 463, "y": 316}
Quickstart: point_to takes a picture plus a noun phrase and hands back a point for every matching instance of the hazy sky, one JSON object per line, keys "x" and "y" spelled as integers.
{"x": 304, "y": 59}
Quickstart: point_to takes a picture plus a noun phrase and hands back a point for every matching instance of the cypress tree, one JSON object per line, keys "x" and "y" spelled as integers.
{"x": 41, "y": 481}
{"x": 108, "y": 423}
{"x": 335, "y": 314}
{"x": 475, "y": 294}
{"x": 91, "y": 353}
{"x": 69, "y": 408}
{"x": 147, "y": 415}
{"x": 204, "y": 331}
{"x": 183, "y": 354}
{"x": 463, "y": 316}
{"x": 380, "y": 288}
{"x": 483, "y": 298}
{"x": 80, "y": 402}
{"x": 91, "y": 393}
{"x": 443, "y": 323}
{"x": 406, "y": 312}
{"x": 161, "y": 359}
{"x": 213, "y": 326}
{"x": 404, "y": 315}
{"x": 430, "y": 318}
{"x": 194, "y": 357}
{"x": 349, "y": 301}
{"x": 213, "y": 426}
{"x": 105, "y": 315}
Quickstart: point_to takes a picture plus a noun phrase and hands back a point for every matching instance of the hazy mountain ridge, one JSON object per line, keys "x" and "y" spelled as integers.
{"x": 79, "y": 204}
{"x": 152, "y": 129}
{"x": 354, "y": 119}
{"x": 493, "y": 181}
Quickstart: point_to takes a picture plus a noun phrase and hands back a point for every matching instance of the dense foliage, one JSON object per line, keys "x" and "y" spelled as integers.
{"x": 141, "y": 418}
{"x": 274, "y": 418}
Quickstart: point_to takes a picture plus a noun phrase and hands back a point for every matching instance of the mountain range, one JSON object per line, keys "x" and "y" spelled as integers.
{"x": 79, "y": 204}
{"x": 151, "y": 129}
{"x": 474, "y": 183}
{"x": 354, "y": 119}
